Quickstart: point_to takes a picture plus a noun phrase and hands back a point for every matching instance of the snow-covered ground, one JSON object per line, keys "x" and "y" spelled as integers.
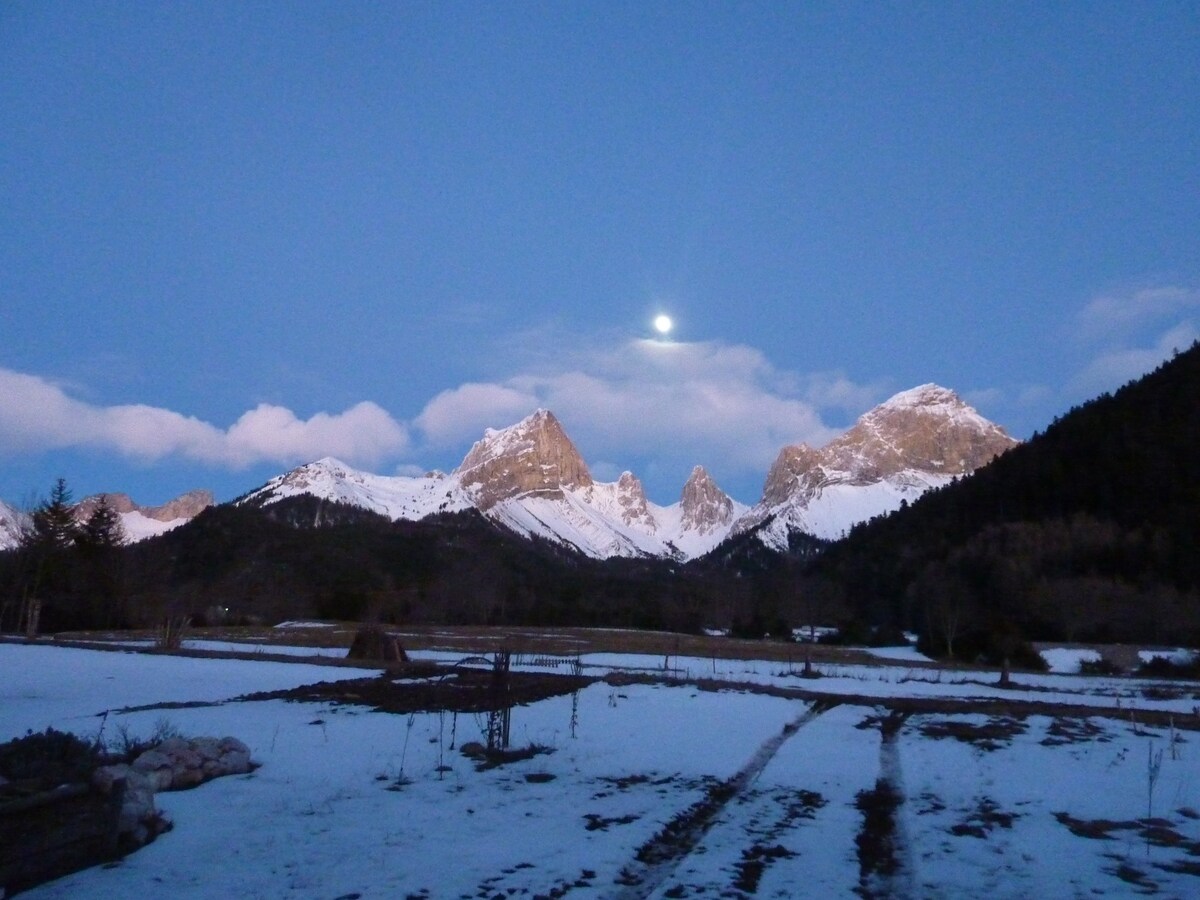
{"x": 984, "y": 807}
{"x": 1066, "y": 660}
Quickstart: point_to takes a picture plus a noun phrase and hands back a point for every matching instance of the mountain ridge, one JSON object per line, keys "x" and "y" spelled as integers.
{"x": 531, "y": 479}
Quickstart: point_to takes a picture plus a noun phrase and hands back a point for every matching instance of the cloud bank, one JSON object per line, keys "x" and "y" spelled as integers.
{"x": 1116, "y": 314}
{"x": 1130, "y": 333}
{"x": 1119, "y": 364}
{"x": 37, "y": 414}
{"x": 665, "y": 404}
{"x": 655, "y": 404}
{"x": 708, "y": 403}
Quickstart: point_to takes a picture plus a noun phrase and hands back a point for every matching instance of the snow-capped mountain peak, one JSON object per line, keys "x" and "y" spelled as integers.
{"x": 13, "y": 524}
{"x": 535, "y": 456}
{"x": 531, "y": 479}
{"x": 142, "y": 522}
{"x": 395, "y": 496}
{"x": 704, "y": 507}
{"x": 918, "y": 439}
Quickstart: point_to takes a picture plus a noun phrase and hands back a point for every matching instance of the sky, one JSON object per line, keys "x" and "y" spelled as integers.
{"x": 238, "y": 237}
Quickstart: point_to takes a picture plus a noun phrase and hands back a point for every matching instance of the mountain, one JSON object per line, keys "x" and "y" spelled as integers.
{"x": 919, "y": 439}
{"x": 1085, "y": 532}
{"x": 533, "y": 458}
{"x": 141, "y": 522}
{"x": 399, "y": 498}
{"x": 530, "y": 479}
{"x": 12, "y": 523}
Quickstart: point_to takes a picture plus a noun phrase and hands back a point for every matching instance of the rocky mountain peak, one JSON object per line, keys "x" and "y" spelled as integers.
{"x": 118, "y": 502}
{"x": 316, "y": 473}
{"x": 704, "y": 506}
{"x": 13, "y": 523}
{"x": 631, "y": 498}
{"x": 795, "y": 471}
{"x": 928, "y": 428}
{"x": 533, "y": 456}
{"x": 186, "y": 506}
{"x": 916, "y": 439}
{"x": 926, "y": 396}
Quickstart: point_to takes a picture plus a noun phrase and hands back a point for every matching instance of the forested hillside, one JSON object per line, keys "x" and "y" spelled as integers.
{"x": 1090, "y": 531}
{"x": 307, "y": 557}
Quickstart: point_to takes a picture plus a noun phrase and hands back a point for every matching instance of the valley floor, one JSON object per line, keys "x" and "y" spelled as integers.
{"x": 649, "y": 784}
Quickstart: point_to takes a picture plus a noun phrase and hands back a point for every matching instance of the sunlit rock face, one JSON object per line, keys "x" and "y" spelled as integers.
{"x": 535, "y": 456}
{"x": 917, "y": 440}
{"x": 631, "y": 502}
{"x": 928, "y": 428}
{"x": 705, "y": 508}
{"x": 141, "y": 522}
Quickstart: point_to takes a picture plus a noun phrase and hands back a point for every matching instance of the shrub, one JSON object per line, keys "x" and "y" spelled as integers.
{"x": 1168, "y": 667}
{"x": 49, "y": 758}
{"x": 1099, "y": 666}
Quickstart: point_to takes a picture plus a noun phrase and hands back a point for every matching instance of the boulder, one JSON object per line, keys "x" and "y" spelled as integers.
{"x": 156, "y": 766}
{"x": 139, "y": 821}
{"x": 177, "y": 764}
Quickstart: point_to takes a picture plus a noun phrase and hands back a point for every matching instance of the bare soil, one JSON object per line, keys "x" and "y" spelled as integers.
{"x": 461, "y": 690}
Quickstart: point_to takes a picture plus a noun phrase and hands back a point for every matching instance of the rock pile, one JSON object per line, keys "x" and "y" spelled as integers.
{"x": 175, "y": 764}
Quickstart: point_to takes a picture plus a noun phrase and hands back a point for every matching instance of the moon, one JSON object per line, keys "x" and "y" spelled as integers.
{"x": 663, "y": 324}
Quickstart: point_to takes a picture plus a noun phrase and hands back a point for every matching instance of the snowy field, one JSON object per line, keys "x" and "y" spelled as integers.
{"x": 645, "y": 791}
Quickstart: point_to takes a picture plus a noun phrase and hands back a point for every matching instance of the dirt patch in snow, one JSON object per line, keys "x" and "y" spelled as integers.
{"x": 463, "y": 690}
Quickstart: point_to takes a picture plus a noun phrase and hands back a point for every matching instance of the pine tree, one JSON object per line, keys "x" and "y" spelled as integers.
{"x": 103, "y": 528}
{"x": 47, "y": 544}
{"x": 54, "y": 525}
{"x": 102, "y": 563}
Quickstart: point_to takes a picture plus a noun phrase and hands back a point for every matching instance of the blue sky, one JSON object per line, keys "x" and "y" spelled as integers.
{"x": 237, "y": 237}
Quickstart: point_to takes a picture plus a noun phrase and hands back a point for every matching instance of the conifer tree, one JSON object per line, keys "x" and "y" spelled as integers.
{"x": 47, "y": 544}
{"x": 54, "y": 525}
{"x": 101, "y": 538}
{"x": 103, "y": 528}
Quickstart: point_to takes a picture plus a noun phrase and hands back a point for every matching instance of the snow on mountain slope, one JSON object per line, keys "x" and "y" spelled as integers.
{"x": 836, "y": 508}
{"x": 396, "y": 496}
{"x": 138, "y": 527}
{"x": 917, "y": 440}
{"x": 12, "y": 524}
{"x": 570, "y": 519}
{"x": 142, "y": 522}
{"x": 678, "y": 527}
{"x": 531, "y": 479}
{"x": 601, "y": 521}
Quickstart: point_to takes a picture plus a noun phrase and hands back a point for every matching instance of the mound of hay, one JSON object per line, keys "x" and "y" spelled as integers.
{"x": 373, "y": 643}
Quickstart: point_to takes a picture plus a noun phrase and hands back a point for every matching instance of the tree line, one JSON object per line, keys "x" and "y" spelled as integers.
{"x": 65, "y": 572}
{"x": 1088, "y": 532}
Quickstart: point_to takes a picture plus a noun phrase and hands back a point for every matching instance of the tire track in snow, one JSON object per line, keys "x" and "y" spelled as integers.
{"x": 886, "y": 861}
{"x": 658, "y": 858}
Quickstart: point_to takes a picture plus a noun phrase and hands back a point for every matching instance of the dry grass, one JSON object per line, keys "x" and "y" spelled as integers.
{"x": 527, "y": 640}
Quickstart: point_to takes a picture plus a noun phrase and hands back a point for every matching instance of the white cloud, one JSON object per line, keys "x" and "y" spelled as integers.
{"x": 833, "y": 390}
{"x": 37, "y": 414}
{"x": 684, "y": 403}
{"x": 464, "y": 412}
{"x": 1116, "y": 366}
{"x": 364, "y": 432}
{"x": 1114, "y": 315}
